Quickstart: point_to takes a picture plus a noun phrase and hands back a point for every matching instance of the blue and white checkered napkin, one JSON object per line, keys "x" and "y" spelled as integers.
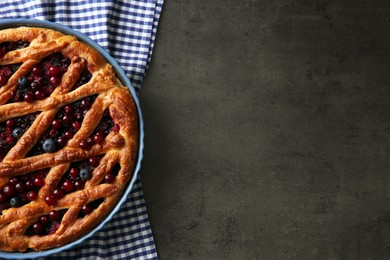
{"x": 126, "y": 29}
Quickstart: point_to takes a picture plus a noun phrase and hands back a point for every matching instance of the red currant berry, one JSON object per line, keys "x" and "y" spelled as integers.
{"x": 94, "y": 161}
{"x": 58, "y": 193}
{"x": 74, "y": 172}
{"x": 53, "y": 71}
{"x": 68, "y": 135}
{"x": 31, "y": 195}
{"x": 39, "y": 94}
{"x": 28, "y": 97}
{"x": 76, "y": 125}
{"x": 43, "y": 219}
{"x": 54, "y": 215}
{"x": 50, "y": 200}
{"x": 39, "y": 181}
{"x": 67, "y": 119}
{"x": 38, "y": 228}
{"x": 86, "y": 209}
{"x": 55, "y": 81}
{"x": 37, "y": 71}
{"x": 68, "y": 109}
{"x": 62, "y": 141}
{"x": 98, "y": 138}
{"x": 85, "y": 104}
{"x": 83, "y": 145}
{"x": 10, "y": 122}
{"x": 9, "y": 190}
{"x": 67, "y": 186}
{"x": 79, "y": 184}
{"x": 109, "y": 178}
{"x": 56, "y": 124}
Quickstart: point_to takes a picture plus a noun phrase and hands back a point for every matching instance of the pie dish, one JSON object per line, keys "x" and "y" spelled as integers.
{"x": 69, "y": 139}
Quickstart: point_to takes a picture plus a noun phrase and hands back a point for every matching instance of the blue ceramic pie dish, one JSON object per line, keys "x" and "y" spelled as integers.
{"x": 12, "y": 23}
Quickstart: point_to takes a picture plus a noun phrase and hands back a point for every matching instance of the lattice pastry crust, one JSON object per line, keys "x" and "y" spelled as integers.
{"x": 22, "y": 220}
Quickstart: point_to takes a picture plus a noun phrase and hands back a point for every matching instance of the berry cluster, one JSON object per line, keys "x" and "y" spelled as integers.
{"x": 63, "y": 127}
{"x": 11, "y": 130}
{"x": 47, "y": 224}
{"x": 22, "y": 189}
{"x": 42, "y": 80}
{"x": 6, "y": 71}
{"x": 74, "y": 179}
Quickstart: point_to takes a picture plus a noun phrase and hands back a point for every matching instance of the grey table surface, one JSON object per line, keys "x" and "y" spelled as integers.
{"x": 268, "y": 129}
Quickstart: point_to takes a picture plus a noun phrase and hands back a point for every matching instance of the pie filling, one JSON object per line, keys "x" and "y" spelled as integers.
{"x": 74, "y": 179}
{"x": 11, "y": 130}
{"x": 22, "y": 189}
{"x": 64, "y": 126}
{"x": 6, "y": 71}
{"x": 47, "y": 224}
{"x": 42, "y": 80}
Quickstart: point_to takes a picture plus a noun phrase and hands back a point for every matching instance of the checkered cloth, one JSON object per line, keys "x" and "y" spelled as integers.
{"x": 126, "y": 29}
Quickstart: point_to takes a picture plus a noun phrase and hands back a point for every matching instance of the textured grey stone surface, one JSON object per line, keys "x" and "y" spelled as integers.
{"x": 268, "y": 130}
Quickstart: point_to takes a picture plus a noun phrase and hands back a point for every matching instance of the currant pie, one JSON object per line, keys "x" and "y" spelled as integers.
{"x": 68, "y": 139}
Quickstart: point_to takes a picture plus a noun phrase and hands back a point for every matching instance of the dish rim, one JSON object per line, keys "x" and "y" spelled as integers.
{"x": 18, "y": 22}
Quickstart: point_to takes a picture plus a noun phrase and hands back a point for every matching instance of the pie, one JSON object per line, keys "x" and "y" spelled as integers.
{"x": 69, "y": 139}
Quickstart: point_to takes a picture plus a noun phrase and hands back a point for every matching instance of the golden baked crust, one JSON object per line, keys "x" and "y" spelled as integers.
{"x": 118, "y": 146}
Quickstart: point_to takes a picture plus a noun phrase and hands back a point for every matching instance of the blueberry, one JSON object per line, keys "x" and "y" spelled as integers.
{"x": 49, "y": 145}
{"x": 23, "y": 82}
{"x": 85, "y": 174}
{"x": 17, "y": 132}
{"x": 14, "y": 201}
